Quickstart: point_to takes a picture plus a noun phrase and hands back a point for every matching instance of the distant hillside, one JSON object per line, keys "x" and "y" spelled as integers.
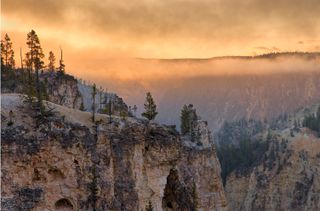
{"x": 223, "y": 88}
{"x": 102, "y": 98}
{"x": 306, "y": 55}
{"x": 274, "y": 169}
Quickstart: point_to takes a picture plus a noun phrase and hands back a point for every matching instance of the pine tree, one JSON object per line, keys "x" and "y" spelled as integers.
{"x": 2, "y": 53}
{"x": 29, "y": 84}
{"x": 94, "y": 92}
{"x": 36, "y": 56}
{"x": 52, "y": 60}
{"x": 188, "y": 118}
{"x": 7, "y": 53}
{"x": 150, "y": 108}
{"x": 185, "y": 120}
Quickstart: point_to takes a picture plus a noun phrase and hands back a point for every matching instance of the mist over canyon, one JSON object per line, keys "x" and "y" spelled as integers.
{"x": 221, "y": 89}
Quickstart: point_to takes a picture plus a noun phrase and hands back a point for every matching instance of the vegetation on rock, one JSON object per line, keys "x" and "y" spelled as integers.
{"x": 312, "y": 121}
{"x": 150, "y": 108}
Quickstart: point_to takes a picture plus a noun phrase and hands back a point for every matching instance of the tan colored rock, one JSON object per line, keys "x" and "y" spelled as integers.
{"x": 68, "y": 164}
{"x": 63, "y": 90}
{"x": 288, "y": 181}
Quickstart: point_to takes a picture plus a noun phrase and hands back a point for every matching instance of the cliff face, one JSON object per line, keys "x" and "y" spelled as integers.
{"x": 231, "y": 98}
{"x": 70, "y": 164}
{"x": 63, "y": 90}
{"x": 287, "y": 177}
{"x": 60, "y": 89}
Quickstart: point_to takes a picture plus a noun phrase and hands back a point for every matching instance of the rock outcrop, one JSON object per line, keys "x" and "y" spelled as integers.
{"x": 69, "y": 163}
{"x": 289, "y": 181}
{"x": 62, "y": 90}
{"x": 287, "y": 176}
{"x": 58, "y": 88}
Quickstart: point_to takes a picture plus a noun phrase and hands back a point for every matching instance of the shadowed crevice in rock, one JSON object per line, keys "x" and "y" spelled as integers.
{"x": 177, "y": 196}
{"x": 64, "y": 205}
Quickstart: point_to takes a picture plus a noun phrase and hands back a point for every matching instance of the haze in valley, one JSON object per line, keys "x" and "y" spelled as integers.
{"x": 165, "y": 47}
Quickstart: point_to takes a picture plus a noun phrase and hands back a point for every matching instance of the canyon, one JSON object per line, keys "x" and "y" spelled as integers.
{"x": 70, "y": 163}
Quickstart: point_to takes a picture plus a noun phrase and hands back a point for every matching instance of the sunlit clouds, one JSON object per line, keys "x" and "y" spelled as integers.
{"x": 90, "y": 30}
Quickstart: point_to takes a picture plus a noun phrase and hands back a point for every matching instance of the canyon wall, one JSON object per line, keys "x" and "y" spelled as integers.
{"x": 69, "y": 163}
{"x": 286, "y": 177}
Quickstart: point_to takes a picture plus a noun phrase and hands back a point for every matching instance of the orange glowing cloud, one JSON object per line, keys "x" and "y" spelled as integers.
{"x": 90, "y": 31}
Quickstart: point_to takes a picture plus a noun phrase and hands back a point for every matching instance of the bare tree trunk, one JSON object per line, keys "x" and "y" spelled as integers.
{"x": 21, "y": 58}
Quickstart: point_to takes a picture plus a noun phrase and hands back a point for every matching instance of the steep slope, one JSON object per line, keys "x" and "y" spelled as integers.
{"x": 287, "y": 177}
{"x": 60, "y": 89}
{"x": 68, "y": 163}
{"x": 231, "y": 98}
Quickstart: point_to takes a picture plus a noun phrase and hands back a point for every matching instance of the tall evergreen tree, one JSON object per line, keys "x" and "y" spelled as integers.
{"x": 29, "y": 82}
{"x": 150, "y": 108}
{"x": 188, "y": 118}
{"x": 185, "y": 120}
{"x": 35, "y": 57}
{"x": 7, "y": 53}
{"x": 312, "y": 121}
{"x": 52, "y": 60}
{"x": 2, "y": 59}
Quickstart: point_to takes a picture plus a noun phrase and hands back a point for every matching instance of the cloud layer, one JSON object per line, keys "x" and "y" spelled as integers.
{"x": 167, "y": 28}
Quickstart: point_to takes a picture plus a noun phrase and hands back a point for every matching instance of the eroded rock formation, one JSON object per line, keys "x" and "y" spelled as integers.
{"x": 68, "y": 163}
{"x": 287, "y": 177}
{"x": 63, "y": 90}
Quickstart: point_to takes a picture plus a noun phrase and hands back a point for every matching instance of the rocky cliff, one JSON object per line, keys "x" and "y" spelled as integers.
{"x": 68, "y": 163}
{"x": 287, "y": 177}
{"x": 57, "y": 88}
{"x": 62, "y": 90}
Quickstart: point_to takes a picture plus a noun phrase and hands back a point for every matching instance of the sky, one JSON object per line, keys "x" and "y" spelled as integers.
{"x": 91, "y": 31}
